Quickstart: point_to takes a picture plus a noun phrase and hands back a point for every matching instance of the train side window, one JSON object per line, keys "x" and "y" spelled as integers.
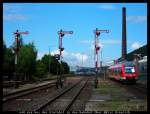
{"x": 113, "y": 71}
{"x": 116, "y": 71}
{"x": 119, "y": 70}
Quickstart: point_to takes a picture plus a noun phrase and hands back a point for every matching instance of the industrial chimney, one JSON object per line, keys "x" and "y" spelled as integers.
{"x": 124, "y": 48}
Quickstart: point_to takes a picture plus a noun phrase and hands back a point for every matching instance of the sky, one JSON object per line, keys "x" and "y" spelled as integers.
{"x": 44, "y": 20}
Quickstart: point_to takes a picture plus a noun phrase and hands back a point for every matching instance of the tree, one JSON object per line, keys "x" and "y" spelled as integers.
{"x": 66, "y": 68}
{"x": 46, "y": 59}
{"x": 4, "y": 49}
{"x": 14, "y": 45}
{"x": 27, "y": 60}
{"x": 54, "y": 65}
{"x": 40, "y": 69}
{"x": 52, "y": 62}
{"x": 8, "y": 62}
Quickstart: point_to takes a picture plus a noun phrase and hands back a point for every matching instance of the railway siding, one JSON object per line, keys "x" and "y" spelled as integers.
{"x": 63, "y": 100}
{"x": 109, "y": 96}
{"x": 82, "y": 99}
{"x": 32, "y": 101}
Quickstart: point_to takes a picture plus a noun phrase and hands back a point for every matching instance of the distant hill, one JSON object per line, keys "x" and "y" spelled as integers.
{"x": 142, "y": 50}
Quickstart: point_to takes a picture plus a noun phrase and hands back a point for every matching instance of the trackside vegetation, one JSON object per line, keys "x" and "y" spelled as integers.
{"x": 28, "y": 66}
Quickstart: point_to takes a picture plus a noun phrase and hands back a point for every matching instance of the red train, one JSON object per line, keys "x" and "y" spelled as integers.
{"x": 125, "y": 72}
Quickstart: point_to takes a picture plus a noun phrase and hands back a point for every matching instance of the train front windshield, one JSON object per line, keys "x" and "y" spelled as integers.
{"x": 129, "y": 70}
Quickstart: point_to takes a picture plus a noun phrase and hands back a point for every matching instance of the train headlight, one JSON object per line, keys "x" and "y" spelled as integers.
{"x": 123, "y": 77}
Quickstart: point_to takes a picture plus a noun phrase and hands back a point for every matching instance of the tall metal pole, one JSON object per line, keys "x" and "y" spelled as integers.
{"x": 17, "y": 36}
{"x": 96, "y": 56}
{"x": 97, "y": 48}
{"x": 61, "y": 35}
{"x": 17, "y": 39}
{"x": 101, "y": 65}
{"x": 60, "y": 57}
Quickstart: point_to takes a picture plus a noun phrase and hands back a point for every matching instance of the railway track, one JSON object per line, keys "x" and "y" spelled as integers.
{"x": 83, "y": 98}
{"x": 34, "y": 100}
{"x": 64, "y": 100}
{"x": 25, "y": 92}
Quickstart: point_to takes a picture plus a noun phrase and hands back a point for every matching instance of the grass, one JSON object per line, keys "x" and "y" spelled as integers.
{"x": 107, "y": 88}
{"x": 119, "y": 99}
{"x": 142, "y": 76}
{"x": 123, "y": 106}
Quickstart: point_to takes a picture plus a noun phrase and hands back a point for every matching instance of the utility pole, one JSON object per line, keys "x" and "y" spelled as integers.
{"x": 61, "y": 34}
{"x": 97, "y": 48}
{"x": 17, "y": 39}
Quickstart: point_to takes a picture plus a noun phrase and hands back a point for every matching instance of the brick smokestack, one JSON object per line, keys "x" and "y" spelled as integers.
{"x": 124, "y": 48}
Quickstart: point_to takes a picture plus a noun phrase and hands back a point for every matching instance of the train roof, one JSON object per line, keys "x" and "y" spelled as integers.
{"x": 126, "y": 63}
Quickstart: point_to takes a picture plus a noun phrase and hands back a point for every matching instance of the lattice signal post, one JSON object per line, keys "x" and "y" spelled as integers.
{"x": 17, "y": 39}
{"x": 97, "y": 48}
{"x": 61, "y": 34}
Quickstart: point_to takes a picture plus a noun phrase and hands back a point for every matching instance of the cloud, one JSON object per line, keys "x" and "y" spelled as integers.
{"x": 12, "y": 8}
{"x": 12, "y": 12}
{"x": 80, "y": 57}
{"x": 64, "y": 53}
{"x": 40, "y": 55}
{"x": 9, "y": 17}
{"x": 72, "y": 58}
{"x": 110, "y": 41}
{"x": 107, "y": 7}
{"x": 92, "y": 47}
{"x": 135, "y": 45}
{"x": 137, "y": 19}
{"x": 86, "y": 41}
{"x": 55, "y": 52}
{"x": 102, "y": 41}
{"x": 108, "y": 63}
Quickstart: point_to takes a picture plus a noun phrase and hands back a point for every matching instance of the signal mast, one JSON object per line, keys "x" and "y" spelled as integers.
{"x": 17, "y": 39}
{"x": 97, "y": 48}
{"x": 61, "y": 34}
